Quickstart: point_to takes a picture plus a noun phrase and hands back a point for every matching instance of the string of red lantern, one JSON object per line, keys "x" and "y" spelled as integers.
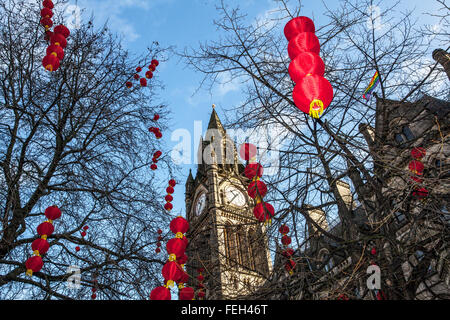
{"x": 158, "y": 244}
{"x": 416, "y": 167}
{"x": 148, "y": 74}
{"x": 200, "y": 285}
{"x": 170, "y": 190}
{"x": 40, "y": 246}
{"x": 287, "y": 251}
{"x": 312, "y": 93}
{"x": 257, "y": 189}
{"x": 83, "y": 234}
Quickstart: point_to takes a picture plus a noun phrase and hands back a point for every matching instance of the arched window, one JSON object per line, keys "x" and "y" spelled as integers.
{"x": 244, "y": 247}
{"x": 231, "y": 242}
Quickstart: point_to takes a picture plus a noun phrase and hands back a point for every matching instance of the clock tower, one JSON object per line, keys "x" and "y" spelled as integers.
{"x": 225, "y": 239}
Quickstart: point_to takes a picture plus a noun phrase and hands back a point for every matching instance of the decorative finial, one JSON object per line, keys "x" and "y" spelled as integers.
{"x": 213, "y": 106}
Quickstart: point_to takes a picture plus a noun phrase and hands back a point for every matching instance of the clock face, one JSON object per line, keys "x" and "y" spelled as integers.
{"x": 235, "y": 196}
{"x": 200, "y": 204}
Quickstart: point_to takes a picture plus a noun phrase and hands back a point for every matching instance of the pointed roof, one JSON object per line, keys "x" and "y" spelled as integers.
{"x": 214, "y": 121}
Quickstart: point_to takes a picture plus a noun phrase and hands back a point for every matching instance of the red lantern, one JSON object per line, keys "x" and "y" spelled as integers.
{"x": 168, "y": 198}
{"x": 420, "y": 193}
{"x": 46, "y": 13}
{"x": 257, "y": 188}
{"x": 58, "y": 39}
{"x": 170, "y": 190}
{"x": 149, "y": 74}
{"x": 153, "y": 166}
{"x": 312, "y": 95}
{"x": 373, "y": 251}
{"x": 158, "y": 135}
{"x": 178, "y": 226}
{"x": 171, "y": 272}
{"x": 48, "y": 4}
{"x": 185, "y": 239}
{"x": 157, "y": 154}
{"x": 129, "y": 84}
{"x": 186, "y": 293}
{"x": 304, "y": 64}
{"x": 200, "y": 270}
{"x": 172, "y": 183}
{"x": 159, "y": 231}
{"x": 52, "y": 213}
{"x": 48, "y": 35}
{"x": 94, "y": 296}
{"x": 45, "y": 229}
{"x": 418, "y": 153}
{"x": 136, "y": 77}
{"x": 284, "y": 229}
{"x": 47, "y": 23}
{"x": 201, "y": 294}
{"x": 158, "y": 244}
{"x": 40, "y": 246}
{"x": 253, "y": 170}
{"x": 297, "y": 25}
{"x": 182, "y": 260}
{"x": 288, "y": 252}
{"x": 416, "y": 167}
{"x": 152, "y": 67}
{"x": 247, "y": 151}
{"x": 62, "y": 29}
{"x": 155, "y": 62}
{"x": 290, "y": 266}
{"x": 286, "y": 240}
{"x": 77, "y": 248}
{"x": 200, "y": 278}
{"x": 143, "y": 82}
{"x": 303, "y": 42}
{"x": 168, "y": 206}
{"x": 160, "y": 293}
{"x": 50, "y": 63}
{"x": 160, "y": 238}
{"x": 85, "y": 227}
{"x": 57, "y": 51}
{"x": 263, "y": 211}
{"x": 157, "y": 250}
{"x": 83, "y": 234}
{"x": 34, "y": 264}
{"x": 175, "y": 248}
{"x": 381, "y": 295}
{"x": 138, "y": 69}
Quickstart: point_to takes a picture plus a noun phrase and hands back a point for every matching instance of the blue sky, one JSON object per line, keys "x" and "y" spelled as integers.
{"x": 183, "y": 24}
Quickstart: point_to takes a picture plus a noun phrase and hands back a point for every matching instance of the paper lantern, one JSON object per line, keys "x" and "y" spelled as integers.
{"x": 153, "y": 166}
{"x": 257, "y": 188}
{"x": 48, "y": 4}
{"x": 149, "y": 74}
{"x": 57, "y": 51}
{"x": 158, "y": 135}
{"x": 157, "y": 154}
{"x": 420, "y": 193}
{"x": 77, "y": 248}
{"x": 200, "y": 278}
{"x": 171, "y": 272}
{"x": 186, "y": 293}
{"x": 34, "y": 264}
{"x": 160, "y": 238}
{"x": 373, "y": 251}
{"x": 83, "y": 234}
{"x": 136, "y": 77}
{"x": 182, "y": 260}
{"x": 172, "y": 183}
{"x": 253, "y": 170}
{"x": 175, "y": 248}
{"x": 303, "y": 42}
{"x": 45, "y": 229}
{"x": 159, "y": 231}
{"x": 52, "y": 213}
{"x": 48, "y": 35}
{"x": 297, "y": 25}
{"x": 416, "y": 167}
{"x": 50, "y": 63}
{"x": 185, "y": 239}
{"x": 143, "y": 82}
{"x": 290, "y": 266}
{"x": 287, "y": 252}
{"x": 152, "y": 67}
{"x": 85, "y": 227}
{"x": 46, "y": 13}
{"x": 168, "y": 198}
{"x": 40, "y": 246}
{"x": 247, "y": 151}
{"x": 200, "y": 270}
{"x": 160, "y": 293}
{"x": 170, "y": 190}
{"x": 304, "y": 64}
{"x": 155, "y": 62}
{"x": 129, "y": 84}
{"x": 138, "y": 69}
{"x": 263, "y": 211}
{"x": 157, "y": 250}
{"x": 312, "y": 95}
{"x": 47, "y": 23}
{"x": 58, "y": 39}
{"x": 168, "y": 206}
{"x": 178, "y": 226}
{"x": 63, "y": 30}
{"x": 418, "y": 153}
{"x": 284, "y": 229}
{"x": 286, "y": 240}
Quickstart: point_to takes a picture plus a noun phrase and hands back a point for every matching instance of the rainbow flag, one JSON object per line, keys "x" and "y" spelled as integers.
{"x": 373, "y": 83}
